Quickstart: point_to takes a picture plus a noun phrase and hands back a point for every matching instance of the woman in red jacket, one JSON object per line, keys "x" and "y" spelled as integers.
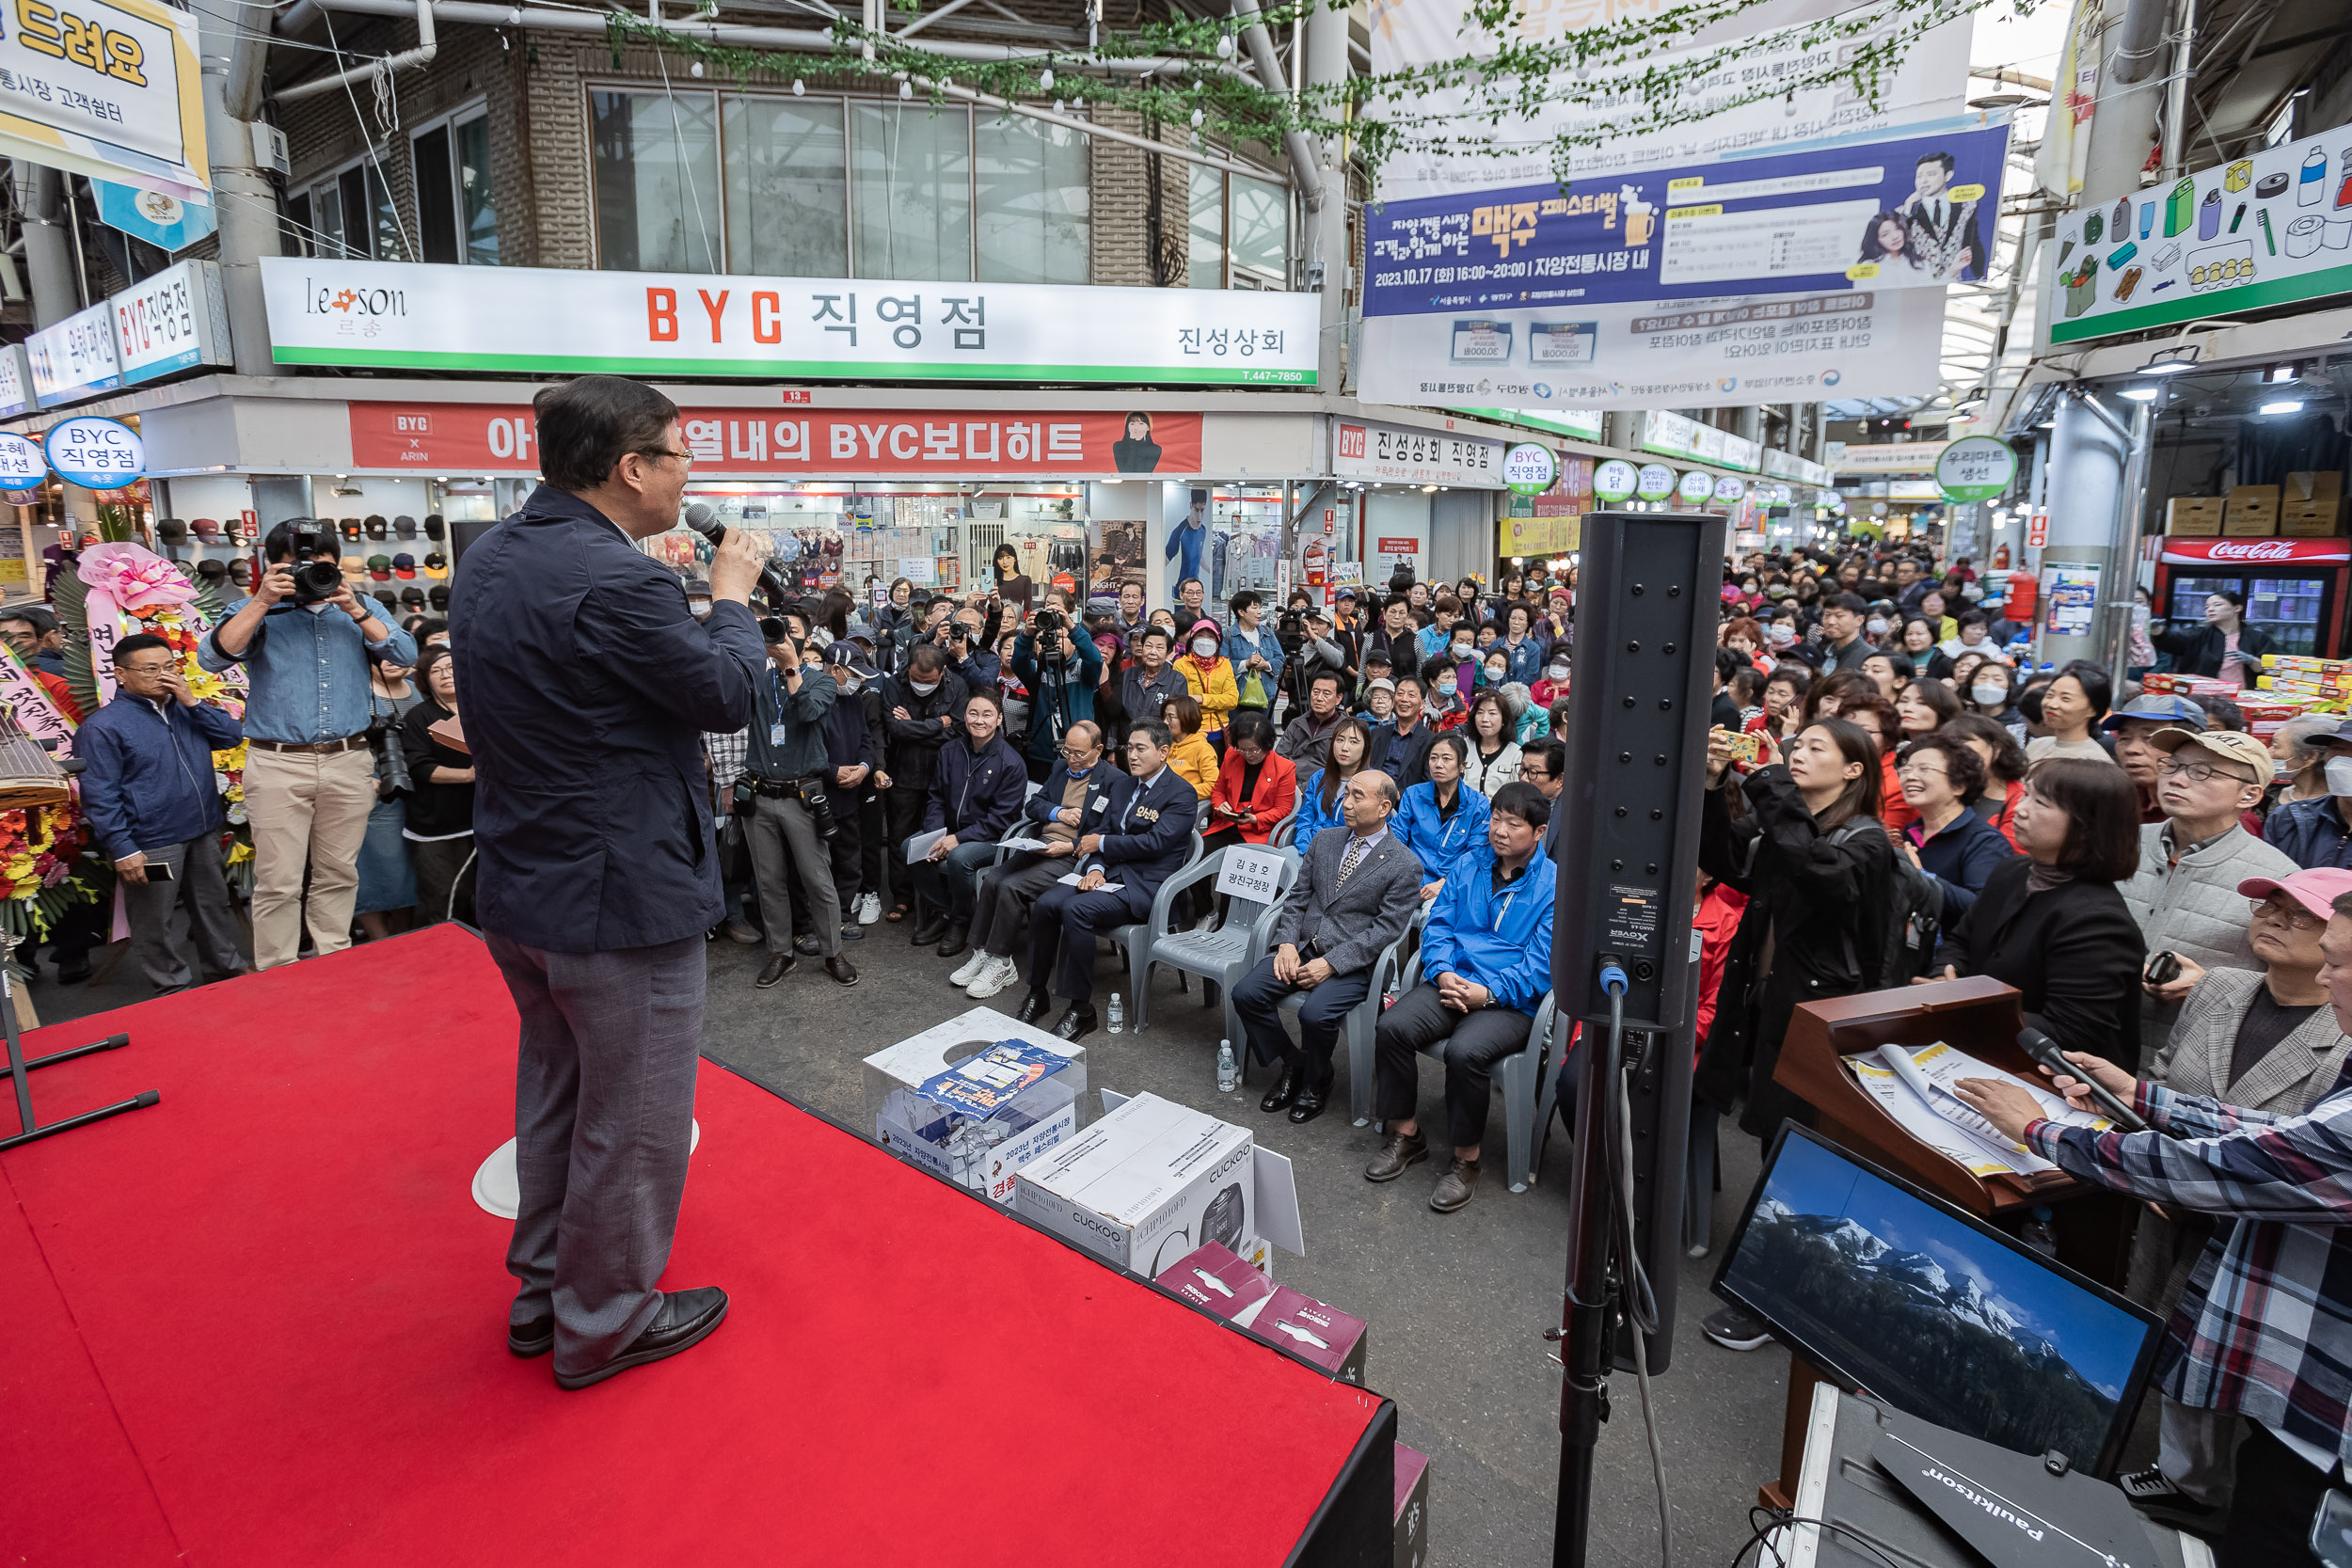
{"x": 1255, "y": 788}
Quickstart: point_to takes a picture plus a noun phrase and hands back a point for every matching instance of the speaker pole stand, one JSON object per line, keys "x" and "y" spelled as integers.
{"x": 20, "y": 1071}
{"x": 1591, "y": 1324}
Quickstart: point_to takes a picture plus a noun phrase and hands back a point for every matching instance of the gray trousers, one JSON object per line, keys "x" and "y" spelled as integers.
{"x": 604, "y": 1112}
{"x": 1006, "y": 893}
{"x": 162, "y": 913}
{"x": 772, "y": 821}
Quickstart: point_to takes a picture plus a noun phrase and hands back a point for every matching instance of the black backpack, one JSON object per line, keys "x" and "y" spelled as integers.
{"x": 1914, "y": 917}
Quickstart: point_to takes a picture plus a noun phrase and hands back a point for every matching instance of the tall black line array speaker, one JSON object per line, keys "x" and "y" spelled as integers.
{"x": 1648, "y": 586}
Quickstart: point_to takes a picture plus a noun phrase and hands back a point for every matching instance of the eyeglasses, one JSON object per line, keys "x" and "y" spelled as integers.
{"x": 2198, "y": 772}
{"x": 1920, "y": 770}
{"x": 2294, "y": 917}
{"x": 1077, "y": 754}
{"x": 685, "y": 457}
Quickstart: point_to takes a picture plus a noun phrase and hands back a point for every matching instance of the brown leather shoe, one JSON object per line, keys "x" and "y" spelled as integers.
{"x": 1399, "y": 1154}
{"x": 779, "y": 965}
{"x": 841, "y": 970}
{"x": 1457, "y": 1186}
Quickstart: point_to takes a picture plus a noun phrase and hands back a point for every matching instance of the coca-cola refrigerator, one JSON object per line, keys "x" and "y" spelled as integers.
{"x": 2296, "y": 589}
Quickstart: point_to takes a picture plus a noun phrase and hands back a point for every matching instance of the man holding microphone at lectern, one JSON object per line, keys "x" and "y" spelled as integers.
{"x": 588, "y": 687}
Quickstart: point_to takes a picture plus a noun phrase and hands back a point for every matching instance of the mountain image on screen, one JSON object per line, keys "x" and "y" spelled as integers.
{"x": 1920, "y": 1335}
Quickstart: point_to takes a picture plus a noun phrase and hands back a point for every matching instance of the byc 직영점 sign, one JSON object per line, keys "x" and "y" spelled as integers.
{"x": 562, "y": 320}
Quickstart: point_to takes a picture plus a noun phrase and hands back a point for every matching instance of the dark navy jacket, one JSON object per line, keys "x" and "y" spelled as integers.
{"x": 146, "y": 776}
{"x": 2309, "y": 833}
{"x": 1146, "y": 839}
{"x": 1107, "y": 789}
{"x": 975, "y": 795}
{"x": 1968, "y": 850}
{"x": 588, "y": 687}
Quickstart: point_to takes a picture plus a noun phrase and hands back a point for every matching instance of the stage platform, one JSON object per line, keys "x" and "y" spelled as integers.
{"x": 262, "y": 1322}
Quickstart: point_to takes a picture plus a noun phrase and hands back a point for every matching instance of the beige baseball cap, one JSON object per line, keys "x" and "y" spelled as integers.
{"x": 2230, "y": 745}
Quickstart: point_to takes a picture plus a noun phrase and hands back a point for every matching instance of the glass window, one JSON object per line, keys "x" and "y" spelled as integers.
{"x": 301, "y": 239}
{"x": 786, "y": 183}
{"x": 1204, "y": 235}
{"x": 911, "y": 192}
{"x": 371, "y": 224}
{"x": 1031, "y": 201}
{"x": 329, "y": 198}
{"x": 657, "y": 171}
{"x": 477, "y": 203}
{"x": 1261, "y": 234}
{"x": 436, "y": 199}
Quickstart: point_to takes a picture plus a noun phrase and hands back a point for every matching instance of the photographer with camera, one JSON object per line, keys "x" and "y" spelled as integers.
{"x": 1061, "y": 666}
{"x": 786, "y": 789}
{"x": 921, "y": 708}
{"x": 305, "y": 640}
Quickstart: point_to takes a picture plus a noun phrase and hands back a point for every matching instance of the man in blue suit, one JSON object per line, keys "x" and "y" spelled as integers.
{"x": 1139, "y": 846}
{"x": 1485, "y": 963}
{"x": 588, "y": 687}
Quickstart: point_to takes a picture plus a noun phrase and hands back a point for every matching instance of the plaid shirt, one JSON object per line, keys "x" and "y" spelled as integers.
{"x": 726, "y": 754}
{"x": 2264, "y": 1328}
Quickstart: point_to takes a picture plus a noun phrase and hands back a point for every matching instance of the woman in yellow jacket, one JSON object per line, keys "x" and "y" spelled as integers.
{"x": 1209, "y": 676}
{"x": 1192, "y": 757}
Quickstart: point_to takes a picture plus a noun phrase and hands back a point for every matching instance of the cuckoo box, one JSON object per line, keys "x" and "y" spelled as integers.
{"x": 1330, "y": 1338}
{"x": 1145, "y": 1185}
{"x": 1213, "y": 1279}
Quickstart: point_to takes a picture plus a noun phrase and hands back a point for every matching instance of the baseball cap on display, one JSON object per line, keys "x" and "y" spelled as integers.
{"x": 354, "y": 566}
{"x": 384, "y": 596}
{"x": 433, "y": 525}
{"x": 404, "y": 527}
{"x": 380, "y": 567}
{"x": 2158, "y": 707}
{"x": 437, "y": 596}
{"x": 350, "y": 526}
{"x": 412, "y": 598}
{"x": 404, "y": 564}
{"x": 211, "y": 573}
{"x": 436, "y": 564}
{"x": 2229, "y": 745}
{"x": 2315, "y": 890}
{"x": 208, "y": 529}
{"x": 171, "y": 530}
{"x": 377, "y": 525}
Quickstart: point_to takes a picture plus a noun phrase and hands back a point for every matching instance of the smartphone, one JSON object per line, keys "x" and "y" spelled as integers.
{"x": 159, "y": 871}
{"x": 2331, "y": 1529}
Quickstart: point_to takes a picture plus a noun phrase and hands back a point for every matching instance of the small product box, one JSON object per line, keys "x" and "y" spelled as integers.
{"x": 1145, "y": 1185}
{"x": 2193, "y": 517}
{"x": 975, "y": 1098}
{"x": 2252, "y": 512}
{"x": 1412, "y": 1507}
{"x": 2312, "y": 504}
{"x": 1215, "y": 1280}
{"x": 1324, "y": 1336}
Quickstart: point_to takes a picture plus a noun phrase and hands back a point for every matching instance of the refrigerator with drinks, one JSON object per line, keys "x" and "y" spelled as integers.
{"x": 2296, "y": 590}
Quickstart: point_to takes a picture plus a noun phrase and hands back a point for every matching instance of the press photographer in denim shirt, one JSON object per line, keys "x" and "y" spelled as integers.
{"x": 310, "y": 779}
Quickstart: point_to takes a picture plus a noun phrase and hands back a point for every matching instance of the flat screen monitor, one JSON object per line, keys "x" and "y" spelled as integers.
{"x": 1905, "y": 1298}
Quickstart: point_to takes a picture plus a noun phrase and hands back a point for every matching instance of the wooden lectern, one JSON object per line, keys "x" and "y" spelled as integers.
{"x": 1981, "y": 1017}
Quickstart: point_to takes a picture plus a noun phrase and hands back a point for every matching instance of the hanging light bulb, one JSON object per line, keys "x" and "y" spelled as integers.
{"x": 1045, "y": 80}
{"x": 1077, "y": 102}
{"x": 1058, "y": 106}
{"x": 1198, "y": 118}
{"x": 694, "y": 69}
{"x": 799, "y": 88}
{"x": 1225, "y": 46}
{"x": 906, "y": 90}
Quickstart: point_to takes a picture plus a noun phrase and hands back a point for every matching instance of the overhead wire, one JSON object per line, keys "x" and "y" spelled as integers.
{"x": 383, "y": 98}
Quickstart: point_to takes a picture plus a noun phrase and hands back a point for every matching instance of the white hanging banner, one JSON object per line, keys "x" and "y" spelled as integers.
{"x": 108, "y": 89}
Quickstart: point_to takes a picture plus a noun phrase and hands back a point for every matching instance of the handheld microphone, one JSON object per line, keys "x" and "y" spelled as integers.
{"x": 706, "y": 522}
{"x": 2042, "y": 1049}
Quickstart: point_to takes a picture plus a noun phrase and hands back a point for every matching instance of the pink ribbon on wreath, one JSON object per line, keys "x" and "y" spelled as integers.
{"x": 124, "y": 580}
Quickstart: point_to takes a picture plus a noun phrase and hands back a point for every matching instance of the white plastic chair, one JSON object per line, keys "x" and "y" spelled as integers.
{"x": 1134, "y": 938}
{"x": 1279, "y": 835}
{"x": 1221, "y": 955}
{"x": 1520, "y": 1077}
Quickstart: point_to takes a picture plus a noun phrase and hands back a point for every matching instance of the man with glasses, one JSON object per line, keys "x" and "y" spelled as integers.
{"x": 1080, "y": 791}
{"x": 2185, "y": 895}
{"x": 1545, "y": 765}
{"x": 588, "y": 687}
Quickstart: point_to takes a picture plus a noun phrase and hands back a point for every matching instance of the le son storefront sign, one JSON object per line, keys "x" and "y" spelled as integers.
{"x": 491, "y": 438}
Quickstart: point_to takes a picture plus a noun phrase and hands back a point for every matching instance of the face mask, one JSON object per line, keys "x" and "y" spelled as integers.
{"x": 2340, "y": 775}
{"x": 924, "y": 689}
{"x": 1461, "y": 648}
{"x": 1780, "y": 635}
{"x": 848, "y": 685}
{"x": 1986, "y": 695}
{"x": 1445, "y": 687}
{"x": 1494, "y": 677}
{"x": 1203, "y": 648}
{"x": 1556, "y": 671}
{"x": 1875, "y": 628}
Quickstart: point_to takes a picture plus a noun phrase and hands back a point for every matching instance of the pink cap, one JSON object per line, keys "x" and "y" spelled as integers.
{"x": 2316, "y": 891}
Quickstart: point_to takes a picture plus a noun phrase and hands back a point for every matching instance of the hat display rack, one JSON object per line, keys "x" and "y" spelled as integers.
{"x": 217, "y": 555}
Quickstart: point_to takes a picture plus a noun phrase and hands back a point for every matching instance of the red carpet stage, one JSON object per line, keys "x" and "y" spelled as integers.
{"x": 263, "y": 1323}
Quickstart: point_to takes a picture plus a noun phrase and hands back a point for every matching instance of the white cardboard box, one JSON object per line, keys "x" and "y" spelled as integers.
{"x": 1145, "y": 1185}
{"x": 924, "y": 1132}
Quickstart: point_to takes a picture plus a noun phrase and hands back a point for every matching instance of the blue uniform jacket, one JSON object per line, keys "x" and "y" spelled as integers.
{"x": 147, "y": 775}
{"x": 1501, "y": 942}
{"x": 975, "y": 795}
{"x": 1961, "y": 858}
{"x": 1439, "y": 841}
{"x": 1184, "y": 546}
{"x": 1107, "y": 789}
{"x": 588, "y": 687}
{"x": 1313, "y": 819}
{"x": 1146, "y": 839}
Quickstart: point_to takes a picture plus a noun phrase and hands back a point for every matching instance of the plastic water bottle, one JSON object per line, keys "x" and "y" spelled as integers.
{"x": 2039, "y": 1234}
{"x": 1228, "y": 1070}
{"x": 1118, "y": 1015}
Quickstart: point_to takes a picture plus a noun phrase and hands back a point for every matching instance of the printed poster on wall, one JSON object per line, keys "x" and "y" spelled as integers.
{"x": 107, "y": 88}
{"x": 887, "y": 443}
{"x": 2070, "y": 600}
{"x": 2270, "y": 229}
{"x": 562, "y": 320}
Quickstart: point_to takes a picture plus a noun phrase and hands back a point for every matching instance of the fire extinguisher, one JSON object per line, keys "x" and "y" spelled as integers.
{"x": 2000, "y": 557}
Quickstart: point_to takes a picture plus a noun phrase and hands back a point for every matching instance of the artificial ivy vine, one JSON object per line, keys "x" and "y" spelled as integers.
{"x": 1374, "y": 114}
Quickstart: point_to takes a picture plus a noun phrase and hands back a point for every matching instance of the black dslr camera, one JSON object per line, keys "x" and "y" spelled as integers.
{"x": 819, "y": 804}
{"x": 1049, "y": 625}
{"x": 313, "y": 580}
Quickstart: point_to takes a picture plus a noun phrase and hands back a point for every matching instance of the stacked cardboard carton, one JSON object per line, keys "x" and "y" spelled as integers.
{"x": 2288, "y": 687}
{"x": 2311, "y": 505}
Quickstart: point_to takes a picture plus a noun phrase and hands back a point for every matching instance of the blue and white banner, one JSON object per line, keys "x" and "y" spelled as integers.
{"x": 1908, "y": 212}
{"x": 159, "y": 218}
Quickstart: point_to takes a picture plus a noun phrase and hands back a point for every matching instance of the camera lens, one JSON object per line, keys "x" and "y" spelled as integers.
{"x": 772, "y": 629}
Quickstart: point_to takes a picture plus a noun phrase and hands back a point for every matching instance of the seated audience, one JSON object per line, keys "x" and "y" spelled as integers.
{"x": 1319, "y": 797}
{"x": 975, "y": 795}
{"x": 1493, "y": 758}
{"x": 1442, "y": 819}
{"x": 1192, "y": 756}
{"x": 1400, "y": 748}
{"x": 1255, "y": 788}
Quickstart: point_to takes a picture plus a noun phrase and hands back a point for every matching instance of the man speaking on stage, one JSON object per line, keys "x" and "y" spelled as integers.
{"x": 588, "y": 685}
